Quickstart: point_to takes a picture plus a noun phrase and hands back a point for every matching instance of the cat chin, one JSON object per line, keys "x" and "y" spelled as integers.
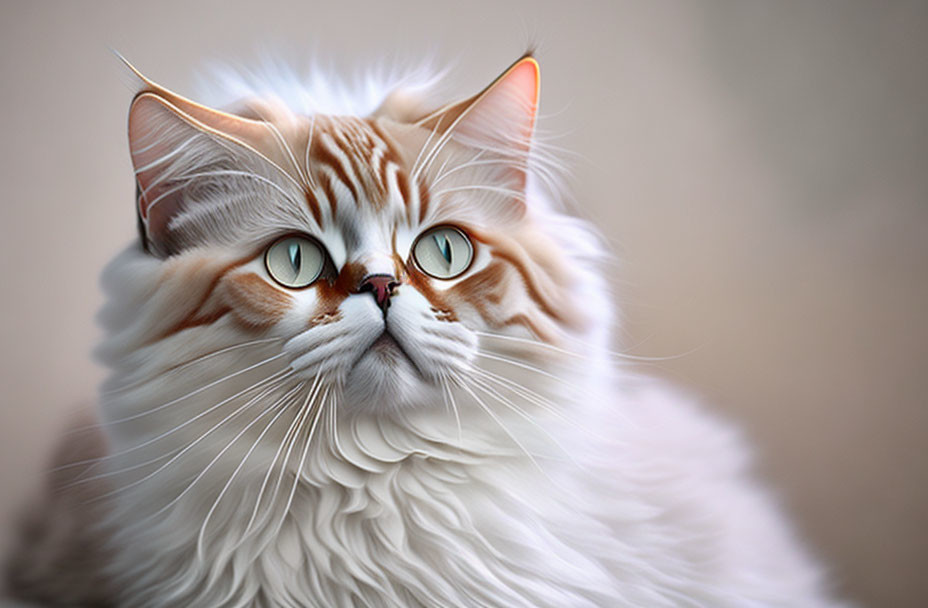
{"x": 384, "y": 380}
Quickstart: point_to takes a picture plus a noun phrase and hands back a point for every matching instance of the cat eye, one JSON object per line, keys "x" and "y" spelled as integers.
{"x": 295, "y": 261}
{"x": 443, "y": 252}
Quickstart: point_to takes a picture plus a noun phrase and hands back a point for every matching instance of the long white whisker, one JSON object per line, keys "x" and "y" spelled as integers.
{"x": 542, "y": 401}
{"x": 506, "y": 402}
{"x": 307, "y": 411}
{"x": 438, "y": 147}
{"x": 525, "y": 366}
{"x": 196, "y": 391}
{"x": 524, "y": 392}
{"x": 273, "y": 378}
{"x": 282, "y": 403}
{"x": 309, "y": 145}
{"x": 190, "y": 446}
{"x": 450, "y": 404}
{"x": 164, "y": 194}
{"x": 529, "y": 342}
{"x": 287, "y": 149}
{"x": 181, "y": 366}
{"x": 440, "y": 174}
{"x": 486, "y": 408}
{"x": 433, "y": 154}
{"x": 299, "y": 468}
{"x": 334, "y": 419}
{"x": 83, "y": 477}
{"x": 428, "y": 140}
{"x": 310, "y": 398}
{"x": 441, "y": 171}
{"x": 557, "y": 349}
{"x": 477, "y": 163}
{"x": 216, "y": 458}
{"x": 481, "y": 187}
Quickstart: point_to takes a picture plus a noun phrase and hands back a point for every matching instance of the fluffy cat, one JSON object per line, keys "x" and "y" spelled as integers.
{"x": 364, "y": 361}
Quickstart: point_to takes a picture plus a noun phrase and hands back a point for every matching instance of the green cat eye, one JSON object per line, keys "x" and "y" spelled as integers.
{"x": 443, "y": 252}
{"x": 294, "y": 261}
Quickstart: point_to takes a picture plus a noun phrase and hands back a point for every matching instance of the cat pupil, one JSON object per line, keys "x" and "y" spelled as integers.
{"x": 444, "y": 246}
{"x": 295, "y": 256}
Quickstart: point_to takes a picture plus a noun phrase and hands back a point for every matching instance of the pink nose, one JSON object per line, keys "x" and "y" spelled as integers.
{"x": 381, "y": 287}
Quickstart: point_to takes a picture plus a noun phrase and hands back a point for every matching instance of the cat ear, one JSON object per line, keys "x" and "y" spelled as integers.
{"x": 169, "y": 138}
{"x": 501, "y": 117}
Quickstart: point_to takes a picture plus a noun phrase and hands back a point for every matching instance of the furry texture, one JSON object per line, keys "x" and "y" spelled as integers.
{"x": 474, "y": 446}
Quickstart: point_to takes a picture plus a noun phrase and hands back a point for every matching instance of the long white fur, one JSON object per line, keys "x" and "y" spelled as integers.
{"x": 526, "y": 475}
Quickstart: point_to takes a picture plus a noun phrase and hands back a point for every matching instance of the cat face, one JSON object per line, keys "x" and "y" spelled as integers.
{"x": 380, "y": 251}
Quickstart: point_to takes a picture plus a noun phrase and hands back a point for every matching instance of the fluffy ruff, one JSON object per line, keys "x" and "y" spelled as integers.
{"x": 626, "y": 495}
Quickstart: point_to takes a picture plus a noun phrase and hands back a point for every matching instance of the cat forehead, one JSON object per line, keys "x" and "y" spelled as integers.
{"x": 354, "y": 175}
{"x": 348, "y": 164}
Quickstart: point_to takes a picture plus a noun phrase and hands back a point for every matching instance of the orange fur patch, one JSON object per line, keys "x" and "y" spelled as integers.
{"x": 253, "y": 301}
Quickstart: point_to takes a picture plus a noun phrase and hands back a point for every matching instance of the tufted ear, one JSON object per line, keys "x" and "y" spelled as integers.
{"x": 172, "y": 138}
{"x": 501, "y": 117}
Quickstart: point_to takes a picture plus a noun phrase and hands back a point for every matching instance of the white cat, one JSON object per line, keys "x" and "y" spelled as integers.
{"x": 363, "y": 361}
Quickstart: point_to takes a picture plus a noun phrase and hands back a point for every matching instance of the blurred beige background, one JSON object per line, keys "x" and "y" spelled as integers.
{"x": 761, "y": 168}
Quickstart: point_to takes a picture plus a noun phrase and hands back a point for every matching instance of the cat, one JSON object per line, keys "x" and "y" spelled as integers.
{"x": 363, "y": 360}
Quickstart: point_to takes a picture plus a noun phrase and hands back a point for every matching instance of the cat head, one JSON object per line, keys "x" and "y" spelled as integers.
{"x": 380, "y": 250}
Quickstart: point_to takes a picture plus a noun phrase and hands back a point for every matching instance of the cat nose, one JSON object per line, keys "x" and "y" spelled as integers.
{"x": 381, "y": 287}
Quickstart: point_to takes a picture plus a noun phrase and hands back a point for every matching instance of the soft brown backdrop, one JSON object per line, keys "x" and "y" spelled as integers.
{"x": 760, "y": 168}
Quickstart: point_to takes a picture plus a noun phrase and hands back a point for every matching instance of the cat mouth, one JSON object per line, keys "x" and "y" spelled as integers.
{"x": 389, "y": 350}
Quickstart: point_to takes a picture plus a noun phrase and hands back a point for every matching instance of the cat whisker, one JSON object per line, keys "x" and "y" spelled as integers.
{"x": 196, "y": 441}
{"x": 463, "y": 386}
{"x": 181, "y": 366}
{"x": 313, "y": 392}
{"x": 282, "y": 143}
{"x": 155, "y": 141}
{"x": 539, "y": 400}
{"x": 436, "y": 149}
{"x": 308, "y": 411}
{"x": 611, "y": 353}
{"x": 441, "y": 174}
{"x": 520, "y": 165}
{"x": 309, "y": 145}
{"x": 451, "y": 405}
{"x": 282, "y": 403}
{"x": 512, "y": 384}
{"x": 198, "y": 390}
{"x": 441, "y": 170}
{"x": 529, "y": 342}
{"x": 529, "y": 395}
{"x": 163, "y": 195}
{"x": 582, "y": 390}
{"x": 519, "y": 364}
{"x": 482, "y": 188}
{"x": 415, "y": 166}
{"x": 306, "y": 445}
{"x": 333, "y": 412}
{"x": 280, "y": 170}
{"x": 278, "y": 376}
{"x": 81, "y": 479}
{"x": 279, "y": 403}
{"x": 508, "y": 403}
